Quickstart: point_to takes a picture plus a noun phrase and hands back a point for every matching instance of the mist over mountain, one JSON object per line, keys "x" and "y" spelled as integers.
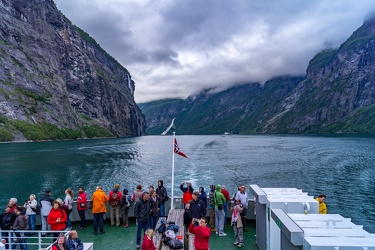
{"x": 337, "y": 95}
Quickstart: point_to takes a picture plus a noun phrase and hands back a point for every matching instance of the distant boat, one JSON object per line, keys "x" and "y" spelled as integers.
{"x": 226, "y": 133}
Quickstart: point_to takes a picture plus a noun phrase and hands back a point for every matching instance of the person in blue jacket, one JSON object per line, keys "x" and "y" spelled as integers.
{"x": 203, "y": 195}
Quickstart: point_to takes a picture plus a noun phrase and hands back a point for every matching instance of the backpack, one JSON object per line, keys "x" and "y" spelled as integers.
{"x": 127, "y": 201}
{"x": 173, "y": 227}
{"x": 115, "y": 200}
{"x": 162, "y": 227}
{"x": 36, "y": 209}
{"x": 175, "y": 244}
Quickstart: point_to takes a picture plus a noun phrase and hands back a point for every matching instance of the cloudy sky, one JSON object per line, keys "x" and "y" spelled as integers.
{"x": 176, "y": 48}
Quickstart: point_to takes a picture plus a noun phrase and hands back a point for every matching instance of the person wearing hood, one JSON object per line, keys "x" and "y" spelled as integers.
{"x": 114, "y": 200}
{"x": 211, "y": 207}
{"x": 125, "y": 204}
{"x": 219, "y": 211}
{"x": 142, "y": 214}
{"x": 163, "y": 197}
{"x": 203, "y": 195}
{"x": 98, "y": 200}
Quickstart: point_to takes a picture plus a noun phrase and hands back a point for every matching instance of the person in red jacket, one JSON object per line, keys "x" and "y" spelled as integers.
{"x": 188, "y": 192}
{"x": 225, "y": 192}
{"x": 82, "y": 206}
{"x": 201, "y": 233}
{"x": 57, "y": 219}
{"x": 147, "y": 243}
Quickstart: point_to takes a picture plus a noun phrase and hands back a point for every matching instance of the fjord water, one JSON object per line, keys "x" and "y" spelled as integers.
{"x": 343, "y": 167}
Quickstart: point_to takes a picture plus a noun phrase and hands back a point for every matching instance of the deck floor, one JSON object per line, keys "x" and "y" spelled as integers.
{"x": 125, "y": 238}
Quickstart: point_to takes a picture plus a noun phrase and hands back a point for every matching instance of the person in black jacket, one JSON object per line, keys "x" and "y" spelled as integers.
{"x": 163, "y": 197}
{"x": 142, "y": 214}
{"x": 7, "y": 219}
{"x": 187, "y": 216}
{"x": 197, "y": 207}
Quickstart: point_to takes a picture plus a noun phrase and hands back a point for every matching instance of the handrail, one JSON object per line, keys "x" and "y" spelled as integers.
{"x": 30, "y": 234}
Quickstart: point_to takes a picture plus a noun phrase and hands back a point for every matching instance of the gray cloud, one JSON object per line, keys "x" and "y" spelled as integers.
{"x": 177, "y": 48}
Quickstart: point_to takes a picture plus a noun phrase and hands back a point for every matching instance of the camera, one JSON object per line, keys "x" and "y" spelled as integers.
{"x": 232, "y": 203}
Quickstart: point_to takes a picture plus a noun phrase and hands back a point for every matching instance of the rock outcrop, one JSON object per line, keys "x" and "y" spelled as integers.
{"x": 53, "y": 72}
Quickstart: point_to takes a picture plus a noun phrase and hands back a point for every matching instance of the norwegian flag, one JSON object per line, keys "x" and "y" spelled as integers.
{"x": 177, "y": 149}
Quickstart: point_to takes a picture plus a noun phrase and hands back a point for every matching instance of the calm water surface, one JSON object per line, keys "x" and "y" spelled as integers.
{"x": 341, "y": 167}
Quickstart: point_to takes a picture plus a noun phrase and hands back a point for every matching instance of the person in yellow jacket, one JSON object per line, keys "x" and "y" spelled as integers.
{"x": 322, "y": 206}
{"x": 98, "y": 199}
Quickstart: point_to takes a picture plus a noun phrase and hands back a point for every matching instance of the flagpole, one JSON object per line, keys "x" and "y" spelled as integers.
{"x": 172, "y": 205}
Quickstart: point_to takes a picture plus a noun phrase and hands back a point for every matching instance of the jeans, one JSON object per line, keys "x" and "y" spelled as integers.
{"x": 162, "y": 210}
{"x": 31, "y": 222}
{"x": 144, "y": 225}
{"x": 22, "y": 244}
{"x": 243, "y": 215}
{"x": 98, "y": 222}
{"x": 115, "y": 211}
{"x": 45, "y": 225}
{"x": 211, "y": 212}
{"x": 68, "y": 222}
{"x": 152, "y": 221}
{"x": 83, "y": 217}
{"x": 238, "y": 233}
{"x": 219, "y": 220}
{"x": 225, "y": 204}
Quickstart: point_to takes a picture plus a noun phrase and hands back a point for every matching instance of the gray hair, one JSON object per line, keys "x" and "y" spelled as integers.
{"x": 13, "y": 200}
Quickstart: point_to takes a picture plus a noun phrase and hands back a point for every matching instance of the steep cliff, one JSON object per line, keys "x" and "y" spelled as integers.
{"x": 52, "y": 72}
{"x": 338, "y": 94}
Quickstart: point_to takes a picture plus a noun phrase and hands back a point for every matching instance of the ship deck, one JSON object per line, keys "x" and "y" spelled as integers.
{"x": 125, "y": 238}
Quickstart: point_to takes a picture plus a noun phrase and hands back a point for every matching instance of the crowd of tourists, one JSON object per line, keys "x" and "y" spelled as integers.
{"x": 148, "y": 207}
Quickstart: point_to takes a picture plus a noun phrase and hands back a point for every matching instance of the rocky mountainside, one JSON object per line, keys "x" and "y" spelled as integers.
{"x": 241, "y": 109}
{"x": 337, "y": 95}
{"x": 54, "y": 76}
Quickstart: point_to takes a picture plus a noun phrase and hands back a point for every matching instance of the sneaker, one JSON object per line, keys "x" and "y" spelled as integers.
{"x": 235, "y": 243}
{"x": 217, "y": 232}
{"x": 138, "y": 246}
{"x": 222, "y": 234}
{"x": 126, "y": 225}
{"x": 240, "y": 245}
{"x": 102, "y": 232}
{"x": 245, "y": 230}
{"x": 95, "y": 233}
